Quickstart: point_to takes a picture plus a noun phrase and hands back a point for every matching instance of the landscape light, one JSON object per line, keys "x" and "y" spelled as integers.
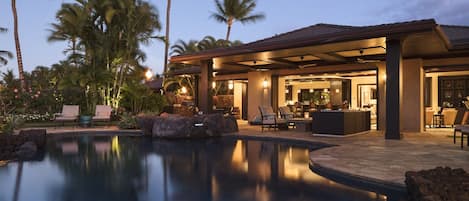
{"x": 148, "y": 74}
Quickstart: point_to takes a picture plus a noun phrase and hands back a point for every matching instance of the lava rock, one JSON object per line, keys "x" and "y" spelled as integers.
{"x": 230, "y": 125}
{"x": 145, "y": 123}
{"x": 172, "y": 127}
{"x": 27, "y": 150}
{"x": 437, "y": 184}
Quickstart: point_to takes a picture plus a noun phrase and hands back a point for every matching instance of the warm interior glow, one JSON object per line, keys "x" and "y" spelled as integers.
{"x": 230, "y": 85}
{"x": 311, "y": 90}
{"x": 214, "y": 84}
{"x": 148, "y": 74}
{"x": 264, "y": 83}
{"x": 337, "y": 91}
{"x": 184, "y": 90}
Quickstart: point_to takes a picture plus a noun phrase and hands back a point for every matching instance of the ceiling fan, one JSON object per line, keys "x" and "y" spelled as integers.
{"x": 363, "y": 61}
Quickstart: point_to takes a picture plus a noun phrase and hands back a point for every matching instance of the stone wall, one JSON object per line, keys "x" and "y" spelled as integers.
{"x": 23, "y": 145}
{"x": 439, "y": 184}
{"x": 177, "y": 126}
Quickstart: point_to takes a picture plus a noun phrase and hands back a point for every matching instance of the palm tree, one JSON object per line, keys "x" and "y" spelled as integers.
{"x": 72, "y": 19}
{"x": 235, "y": 10}
{"x": 3, "y": 53}
{"x": 19, "y": 58}
{"x": 166, "y": 45}
{"x": 182, "y": 47}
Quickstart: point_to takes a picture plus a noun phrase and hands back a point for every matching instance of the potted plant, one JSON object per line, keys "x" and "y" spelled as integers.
{"x": 86, "y": 115}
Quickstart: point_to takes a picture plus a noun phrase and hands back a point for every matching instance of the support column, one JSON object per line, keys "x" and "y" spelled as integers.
{"x": 393, "y": 78}
{"x": 257, "y": 93}
{"x": 381, "y": 83}
{"x": 274, "y": 92}
{"x": 412, "y": 91}
{"x": 204, "y": 94}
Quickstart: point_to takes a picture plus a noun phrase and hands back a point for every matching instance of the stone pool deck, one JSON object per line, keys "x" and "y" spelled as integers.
{"x": 367, "y": 156}
{"x": 372, "y": 157}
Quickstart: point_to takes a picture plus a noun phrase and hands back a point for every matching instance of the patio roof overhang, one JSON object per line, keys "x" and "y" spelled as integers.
{"x": 325, "y": 44}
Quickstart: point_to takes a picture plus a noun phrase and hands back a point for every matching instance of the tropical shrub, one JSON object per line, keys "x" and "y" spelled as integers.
{"x": 128, "y": 121}
{"x": 10, "y": 123}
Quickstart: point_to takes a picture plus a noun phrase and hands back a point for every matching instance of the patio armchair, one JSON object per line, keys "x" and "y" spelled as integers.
{"x": 69, "y": 113}
{"x": 429, "y": 117}
{"x": 103, "y": 113}
{"x": 269, "y": 118}
{"x": 449, "y": 115}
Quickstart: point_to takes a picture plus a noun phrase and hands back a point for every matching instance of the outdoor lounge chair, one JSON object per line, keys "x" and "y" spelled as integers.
{"x": 458, "y": 128}
{"x": 286, "y": 114}
{"x": 103, "y": 113}
{"x": 69, "y": 113}
{"x": 269, "y": 118}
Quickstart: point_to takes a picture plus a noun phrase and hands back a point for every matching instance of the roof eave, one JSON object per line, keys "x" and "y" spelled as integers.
{"x": 390, "y": 30}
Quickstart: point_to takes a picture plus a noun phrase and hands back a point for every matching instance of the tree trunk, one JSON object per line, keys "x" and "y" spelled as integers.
{"x": 17, "y": 43}
{"x": 19, "y": 174}
{"x": 228, "y": 33}
{"x": 166, "y": 45}
{"x": 229, "y": 23}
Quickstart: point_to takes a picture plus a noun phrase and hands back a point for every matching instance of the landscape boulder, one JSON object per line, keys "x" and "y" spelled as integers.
{"x": 24, "y": 145}
{"x": 439, "y": 184}
{"x": 177, "y": 126}
{"x": 27, "y": 150}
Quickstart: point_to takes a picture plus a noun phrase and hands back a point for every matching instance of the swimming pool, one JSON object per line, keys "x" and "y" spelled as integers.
{"x": 103, "y": 168}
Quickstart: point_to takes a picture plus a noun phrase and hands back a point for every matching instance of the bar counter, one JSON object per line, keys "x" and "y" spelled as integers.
{"x": 337, "y": 122}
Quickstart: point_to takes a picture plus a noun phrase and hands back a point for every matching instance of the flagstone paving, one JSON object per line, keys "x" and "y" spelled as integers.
{"x": 371, "y": 156}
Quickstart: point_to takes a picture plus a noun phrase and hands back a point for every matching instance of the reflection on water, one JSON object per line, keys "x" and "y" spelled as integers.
{"x": 131, "y": 168}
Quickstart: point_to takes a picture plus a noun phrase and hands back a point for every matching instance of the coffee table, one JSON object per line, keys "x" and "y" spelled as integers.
{"x": 301, "y": 124}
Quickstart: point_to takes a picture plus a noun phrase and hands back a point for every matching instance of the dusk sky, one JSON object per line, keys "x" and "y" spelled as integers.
{"x": 191, "y": 20}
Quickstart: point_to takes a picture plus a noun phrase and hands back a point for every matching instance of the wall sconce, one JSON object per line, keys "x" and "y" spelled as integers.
{"x": 230, "y": 85}
{"x": 311, "y": 90}
{"x": 287, "y": 91}
{"x": 265, "y": 84}
{"x": 214, "y": 84}
{"x": 298, "y": 91}
{"x": 183, "y": 90}
{"x": 337, "y": 91}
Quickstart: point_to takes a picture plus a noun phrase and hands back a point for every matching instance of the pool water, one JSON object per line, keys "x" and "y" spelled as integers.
{"x": 87, "y": 168}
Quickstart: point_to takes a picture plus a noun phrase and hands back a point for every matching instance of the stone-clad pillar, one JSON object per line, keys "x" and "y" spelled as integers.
{"x": 393, "y": 79}
{"x": 204, "y": 95}
{"x": 412, "y": 89}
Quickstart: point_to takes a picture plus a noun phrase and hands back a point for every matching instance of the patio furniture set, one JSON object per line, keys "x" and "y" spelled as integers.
{"x": 71, "y": 113}
{"x": 325, "y": 122}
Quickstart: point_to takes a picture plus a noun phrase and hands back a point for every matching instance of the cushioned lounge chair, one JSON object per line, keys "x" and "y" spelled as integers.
{"x": 69, "y": 113}
{"x": 287, "y": 114}
{"x": 269, "y": 118}
{"x": 103, "y": 113}
{"x": 458, "y": 128}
